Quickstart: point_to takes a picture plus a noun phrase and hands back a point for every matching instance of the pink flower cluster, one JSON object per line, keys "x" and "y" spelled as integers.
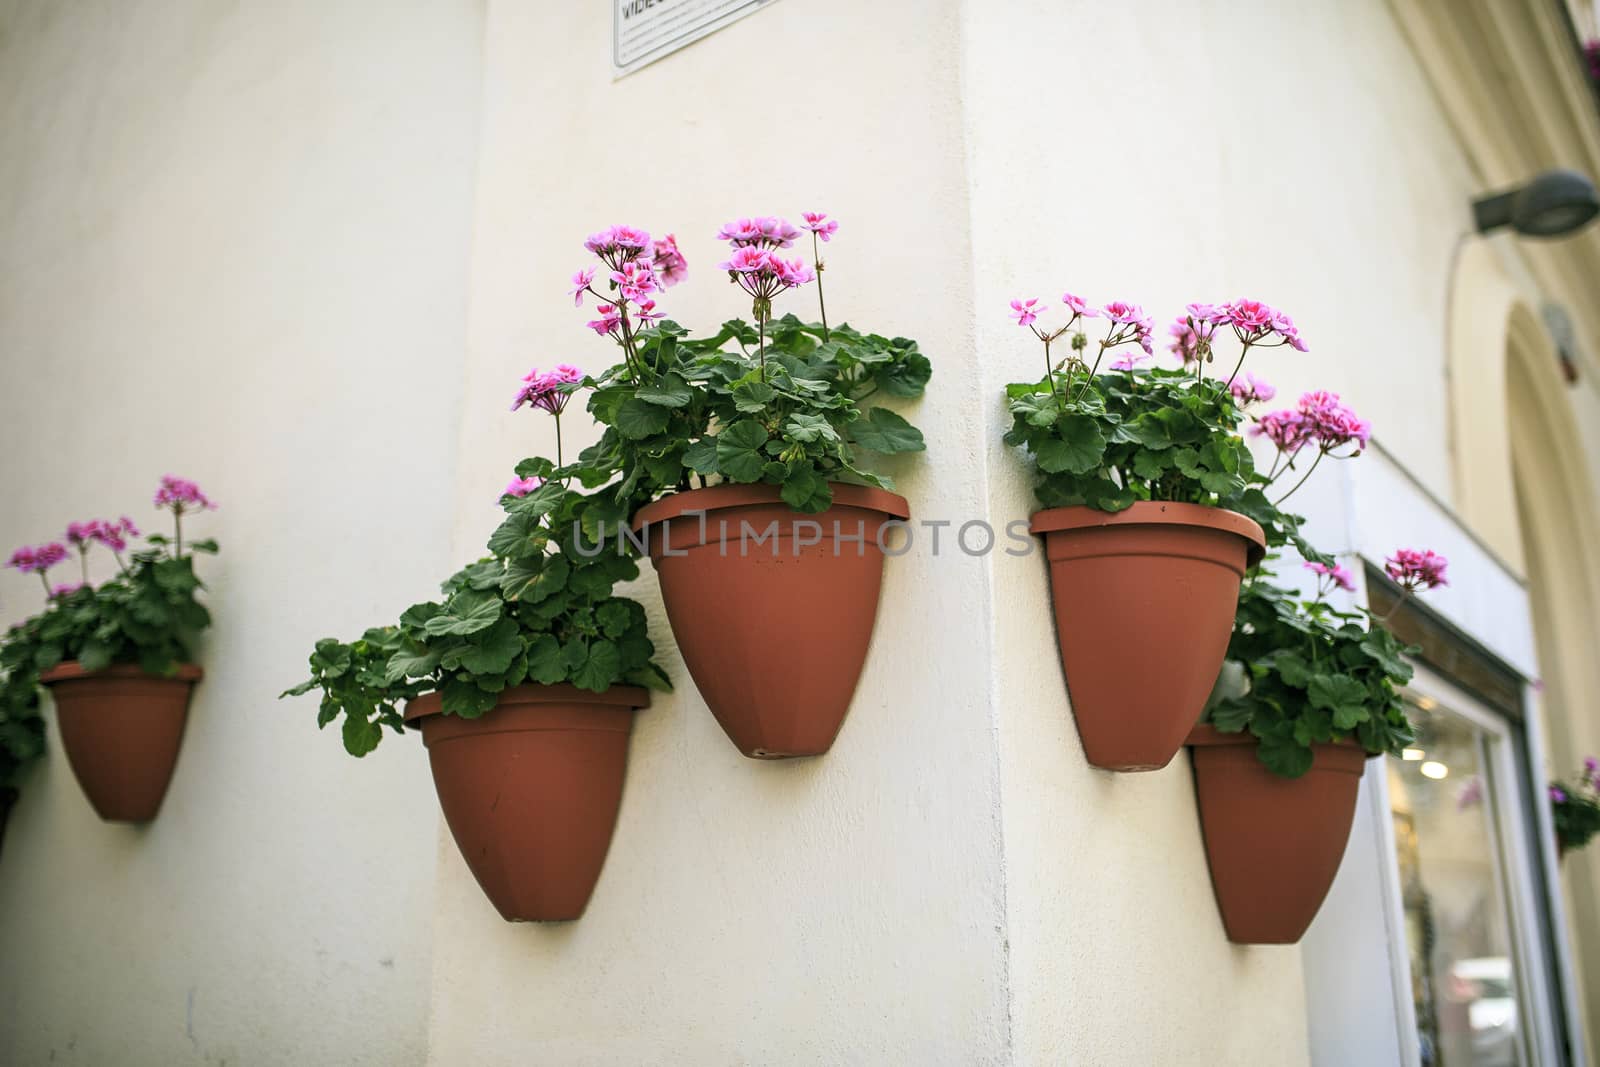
{"x": 1128, "y": 321}
{"x": 181, "y": 495}
{"x": 1319, "y": 418}
{"x": 1333, "y": 575}
{"x": 1415, "y": 568}
{"x": 763, "y": 273}
{"x": 1251, "y": 390}
{"x": 543, "y": 389}
{"x": 763, "y": 231}
{"x": 1252, "y": 322}
{"x": 819, "y": 223}
{"x": 66, "y": 589}
{"x": 637, "y": 268}
{"x": 36, "y": 559}
{"x": 523, "y": 486}
{"x": 113, "y": 535}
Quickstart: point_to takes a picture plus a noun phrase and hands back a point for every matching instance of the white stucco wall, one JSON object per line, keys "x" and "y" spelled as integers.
{"x": 846, "y": 909}
{"x": 234, "y": 240}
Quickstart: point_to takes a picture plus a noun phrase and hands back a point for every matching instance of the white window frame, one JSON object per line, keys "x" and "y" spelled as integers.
{"x": 1522, "y": 896}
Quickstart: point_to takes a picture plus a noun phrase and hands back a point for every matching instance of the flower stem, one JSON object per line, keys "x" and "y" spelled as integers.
{"x": 177, "y": 531}
{"x": 559, "y": 462}
{"x": 46, "y": 583}
{"x": 1303, "y": 478}
{"x": 1049, "y": 371}
{"x": 1242, "y": 353}
{"x": 816, "y": 263}
{"x": 83, "y": 564}
{"x": 1098, "y": 356}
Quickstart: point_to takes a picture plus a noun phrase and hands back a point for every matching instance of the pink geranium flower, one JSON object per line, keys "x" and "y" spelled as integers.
{"x": 819, "y": 223}
{"x": 522, "y": 486}
{"x": 66, "y": 589}
{"x": 181, "y": 495}
{"x": 1130, "y": 362}
{"x": 543, "y": 389}
{"x": 1417, "y": 568}
{"x": 619, "y": 243}
{"x": 610, "y": 320}
{"x": 1251, "y": 390}
{"x": 668, "y": 263}
{"x": 1332, "y": 423}
{"x": 36, "y": 559}
{"x": 1078, "y": 306}
{"x": 1026, "y": 312}
{"x": 635, "y": 280}
{"x": 580, "y": 284}
{"x": 1335, "y": 575}
{"x": 1286, "y": 429}
{"x": 763, "y": 231}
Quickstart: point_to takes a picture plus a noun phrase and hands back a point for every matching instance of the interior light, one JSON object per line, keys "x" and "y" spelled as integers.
{"x": 1411, "y": 755}
{"x": 1434, "y": 769}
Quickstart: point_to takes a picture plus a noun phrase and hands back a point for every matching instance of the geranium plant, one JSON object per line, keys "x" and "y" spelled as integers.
{"x": 1315, "y": 673}
{"x": 538, "y": 609}
{"x": 1108, "y": 440}
{"x": 778, "y": 401}
{"x": 147, "y": 614}
{"x": 1575, "y": 807}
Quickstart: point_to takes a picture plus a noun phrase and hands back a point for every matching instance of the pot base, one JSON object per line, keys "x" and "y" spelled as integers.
{"x": 531, "y": 790}
{"x": 741, "y": 574}
{"x": 121, "y": 730}
{"x": 1144, "y": 602}
{"x": 1273, "y": 844}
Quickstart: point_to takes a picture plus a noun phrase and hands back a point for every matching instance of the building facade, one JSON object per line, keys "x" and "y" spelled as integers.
{"x": 299, "y": 251}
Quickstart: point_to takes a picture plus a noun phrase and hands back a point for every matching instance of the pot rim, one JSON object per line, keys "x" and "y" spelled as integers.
{"x": 71, "y": 670}
{"x": 1154, "y": 513}
{"x": 729, "y": 495}
{"x": 1204, "y": 735}
{"x": 633, "y": 697}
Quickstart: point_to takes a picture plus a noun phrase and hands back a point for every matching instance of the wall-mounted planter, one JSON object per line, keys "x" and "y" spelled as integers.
{"x": 1273, "y": 844}
{"x": 121, "y": 729}
{"x": 1144, "y": 604}
{"x": 531, "y": 790}
{"x": 775, "y": 631}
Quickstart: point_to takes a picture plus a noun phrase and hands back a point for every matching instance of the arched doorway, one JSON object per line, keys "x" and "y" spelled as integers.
{"x": 1555, "y": 509}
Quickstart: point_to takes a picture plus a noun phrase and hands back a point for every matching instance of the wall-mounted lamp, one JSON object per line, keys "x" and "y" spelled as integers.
{"x": 1554, "y": 204}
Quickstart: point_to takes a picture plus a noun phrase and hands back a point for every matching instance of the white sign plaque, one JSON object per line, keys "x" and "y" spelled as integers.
{"x": 646, "y": 30}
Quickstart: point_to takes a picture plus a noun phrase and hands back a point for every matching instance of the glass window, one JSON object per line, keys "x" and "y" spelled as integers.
{"x": 1459, "y": 927}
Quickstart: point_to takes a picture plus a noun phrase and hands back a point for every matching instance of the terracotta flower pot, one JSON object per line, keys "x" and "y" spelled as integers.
{"x": 773, "y": 610}
{"x": 1273, "y": 844}
{"x": 531, "y": 790}
{"x": 121, "y": 729}
{"x": 1144, "y": 604}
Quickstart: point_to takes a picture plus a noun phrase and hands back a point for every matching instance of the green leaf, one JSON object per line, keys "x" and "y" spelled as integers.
{"x": 493, "y": 650}
{"x": 411, "y": 663}
{"x": 361, "y": 735}
{"x": 1076, "y": 448}
{"x": 638, "y": 418}
{"x": 544, "y": 661}
{"x": 464, "y": 698}
{"x": 701, "y": 456}
{"x": 806, "y": 490}
{"x": 466, "y": 613}
{"x": 601, "y": 669}
{"x": 669, "y": 392}
{"x": 807, "y": 428}
{"x": 95, "y": 656}
{"x": 884, "y": 431}
{"x": 738, "y": 451}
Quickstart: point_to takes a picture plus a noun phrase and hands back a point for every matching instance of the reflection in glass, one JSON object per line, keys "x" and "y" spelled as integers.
{"x": 1457, "y": 921}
